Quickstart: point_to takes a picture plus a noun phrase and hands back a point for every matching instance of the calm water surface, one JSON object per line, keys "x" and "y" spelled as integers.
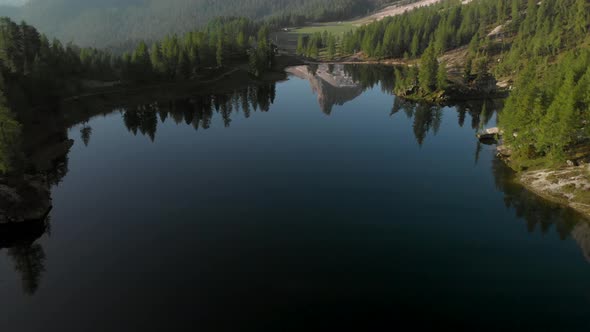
{"x": 329, "y": 204}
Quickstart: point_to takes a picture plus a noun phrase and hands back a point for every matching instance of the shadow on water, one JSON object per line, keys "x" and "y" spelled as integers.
{"x": 540, "y": 215}
{"x": 47, "y": 146}
{"x": 27, "y": 256}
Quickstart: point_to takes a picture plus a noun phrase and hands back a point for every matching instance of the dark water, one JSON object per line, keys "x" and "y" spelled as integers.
{"x": 359, "y": 209}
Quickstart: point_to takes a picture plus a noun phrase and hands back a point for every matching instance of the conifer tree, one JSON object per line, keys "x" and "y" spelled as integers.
{"x": 331, "y": 47}
{"x": 300, "y": 45}
{"x": 219, "y": 56}
{"x": 441, "y": 77}
{"x": 428, "y": 70}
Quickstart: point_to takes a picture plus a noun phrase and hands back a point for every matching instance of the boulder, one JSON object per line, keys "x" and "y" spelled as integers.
{"x": 504, "y": 151}
{"x": 490, "y": 134}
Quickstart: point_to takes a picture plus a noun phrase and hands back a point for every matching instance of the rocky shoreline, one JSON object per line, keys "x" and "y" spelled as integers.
{"x": 568, "y": 185}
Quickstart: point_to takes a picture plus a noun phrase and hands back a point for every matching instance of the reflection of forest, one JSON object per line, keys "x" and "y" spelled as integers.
{"x": 539, "y": 214}
{"x": 581, "y": 234}
{"x": 198, "y": 110}
{"x": 428, "y": 117}
{"x": 27, "y": 256}
{"x": 46, "y": 145}
{"x": 42, "y": 164}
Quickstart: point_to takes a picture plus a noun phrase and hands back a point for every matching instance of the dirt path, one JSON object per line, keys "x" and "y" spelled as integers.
{"x": 395, "y": 10}
{"x": 359, "y": 61}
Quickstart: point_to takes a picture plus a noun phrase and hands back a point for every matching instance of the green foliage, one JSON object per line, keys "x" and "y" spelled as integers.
{"x": 141, "y": 69}
{"x": 9, "y": 139}
{"x": 547, "y": 113}
{"x": 544, "y": 47}
{"x": 331, "y": 47}
{"x": 312, "y": 45}
{"x": 40, "y": 71}
{"x": 301, "y": 42}
{"x": 444, "y": 26}
{"x": 223, "y": 41}
{"x": 261, "y": 58}
{"x": 428, "y": 70}
{"x": 441, "y": 77}
{"x": 219, "y": 52}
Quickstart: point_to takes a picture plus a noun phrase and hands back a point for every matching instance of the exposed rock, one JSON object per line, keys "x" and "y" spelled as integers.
{"x": 569, "y": 186}
{"x": 490, "y": 134}
{"x": 504, "y": 151}
{"x": 499, "y": 31}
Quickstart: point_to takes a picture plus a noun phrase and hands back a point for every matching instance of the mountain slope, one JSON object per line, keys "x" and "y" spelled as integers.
{"x": 107, "y": 22}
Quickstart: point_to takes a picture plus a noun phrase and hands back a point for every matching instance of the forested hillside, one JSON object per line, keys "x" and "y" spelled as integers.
{"x": 542, "y": 46}
{"x": 35, "y": 71}
{"x": 113, "y": 22}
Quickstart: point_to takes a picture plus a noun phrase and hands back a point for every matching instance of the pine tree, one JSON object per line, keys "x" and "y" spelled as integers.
{"x": 441, "y": 77}
{"x": 428, "y": 70}
{"x": 558, "y": 127}
{"x": 219, "y": 52}
{"x": 10, "y": 130}
{"x": 300, "y": 45}
{"x": 241, "y": 41}
{"x": 331, "y": 47}
{"x": 580, "y": 18}
{"x": 183, "y": 70}
{"x": 415, "y": 47}
{"x": 141, "y": 63}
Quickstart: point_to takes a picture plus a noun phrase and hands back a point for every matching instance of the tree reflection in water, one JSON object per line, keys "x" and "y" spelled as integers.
{"x": 27, "y": 256}
{"x": 539, "y": 214}
{"x": 29, "y": 259}
{"x": 198, "y": 111}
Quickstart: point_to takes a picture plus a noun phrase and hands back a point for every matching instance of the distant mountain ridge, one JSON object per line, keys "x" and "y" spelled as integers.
{"x": 108, "y": 22}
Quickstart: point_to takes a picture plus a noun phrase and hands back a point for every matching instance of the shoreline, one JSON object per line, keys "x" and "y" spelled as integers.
{"x": 568, "y": 186}
{"x": 236, "y": 77}
{"x": 279, "y": 73}
{"x": 233, "y": 77}
{"x": 25, "y": 195}
{"x": 547, "y": 183}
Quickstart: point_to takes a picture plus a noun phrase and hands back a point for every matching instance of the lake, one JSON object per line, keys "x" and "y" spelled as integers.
{"x": 317, "y": 202}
